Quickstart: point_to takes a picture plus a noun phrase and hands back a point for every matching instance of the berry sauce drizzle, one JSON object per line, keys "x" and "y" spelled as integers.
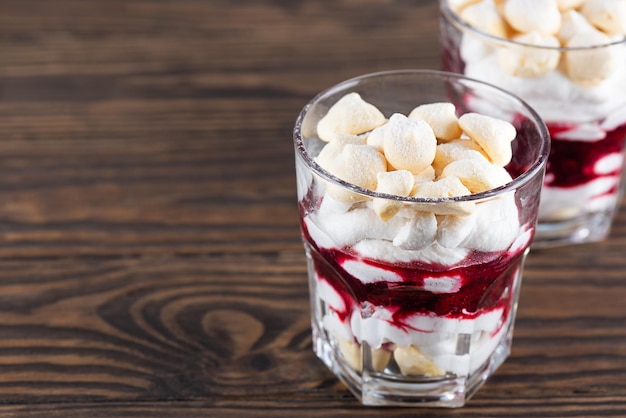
{"x": 573, "y": 163}
{"x": 486, "y": 282}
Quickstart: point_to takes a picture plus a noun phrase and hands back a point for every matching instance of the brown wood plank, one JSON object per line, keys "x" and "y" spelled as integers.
{"x": 230, "y": 334}
{"x": 124, "y": 198}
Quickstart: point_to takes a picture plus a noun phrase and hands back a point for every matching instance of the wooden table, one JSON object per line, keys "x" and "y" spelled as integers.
{"x": 150, "y": 254}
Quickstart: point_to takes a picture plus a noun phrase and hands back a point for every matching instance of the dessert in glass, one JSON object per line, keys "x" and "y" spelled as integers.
{"x": 418, "y": 194}
{"x": 567, "y": 60}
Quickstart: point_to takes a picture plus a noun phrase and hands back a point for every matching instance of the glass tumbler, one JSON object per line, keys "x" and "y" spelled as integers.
{"x": 424, "y": 324}
{"x": 580, "y": 93}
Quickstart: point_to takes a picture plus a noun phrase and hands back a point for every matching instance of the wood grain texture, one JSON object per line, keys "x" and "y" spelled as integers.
{"x": 150, "y": 256}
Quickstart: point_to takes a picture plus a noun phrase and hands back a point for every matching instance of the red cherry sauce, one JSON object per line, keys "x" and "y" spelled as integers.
{"x": 572, "y": 163}
{"x": 486, "y": 283}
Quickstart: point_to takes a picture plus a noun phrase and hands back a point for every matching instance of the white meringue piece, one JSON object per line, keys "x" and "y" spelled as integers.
{"x": 527, "y": 61}
{"x": 410, "y": 144}
{"x": 607, "y": 15}
{"x": 542, "y": 16}
{"x": 349, "y": 115}
{"x": 573, "y": 22}
{"x": 484, "y": 16}
{"x": 590, "y": 67}
{"x": 442, "y": 119}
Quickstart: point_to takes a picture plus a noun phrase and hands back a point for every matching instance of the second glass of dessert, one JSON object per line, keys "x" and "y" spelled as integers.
{"x": 567, "y": 60}
{"x": 418, "y": 194}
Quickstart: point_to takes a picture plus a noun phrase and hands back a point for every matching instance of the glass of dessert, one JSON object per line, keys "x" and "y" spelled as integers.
{"x": 418, "y": 194}
{"x": 567, "y": 60}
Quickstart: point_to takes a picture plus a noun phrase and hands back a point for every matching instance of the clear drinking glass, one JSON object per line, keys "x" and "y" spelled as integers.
{"x": 580, "y": 93}
{"x": 424, "y": 326}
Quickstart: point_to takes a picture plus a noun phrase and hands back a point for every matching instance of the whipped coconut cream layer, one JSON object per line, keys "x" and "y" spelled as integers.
{"x": 492, "y": 227}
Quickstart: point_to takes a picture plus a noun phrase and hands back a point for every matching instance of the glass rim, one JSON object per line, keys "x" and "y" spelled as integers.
{"x": 512, "y": 185}
{"x": 454, "y": 18}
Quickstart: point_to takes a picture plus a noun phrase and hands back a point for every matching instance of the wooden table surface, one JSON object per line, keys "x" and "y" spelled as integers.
{"x": 150, "y": 253}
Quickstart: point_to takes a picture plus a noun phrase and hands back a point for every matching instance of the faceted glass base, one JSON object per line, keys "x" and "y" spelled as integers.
{"x": 387, "y": 388}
